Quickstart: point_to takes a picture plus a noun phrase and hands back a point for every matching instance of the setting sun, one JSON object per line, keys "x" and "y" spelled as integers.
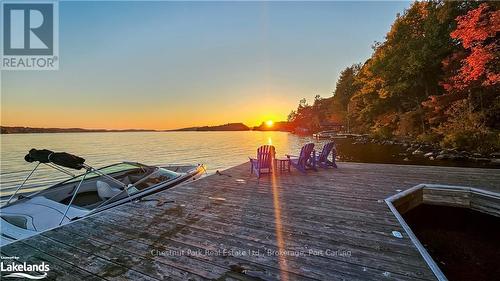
{"x": 269, "y": 123}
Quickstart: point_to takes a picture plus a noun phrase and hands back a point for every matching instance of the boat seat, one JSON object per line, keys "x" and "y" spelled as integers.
{"x": 106, "y": 191}
{"x": 42, "y": 213}
{"x": 11, "y": 232}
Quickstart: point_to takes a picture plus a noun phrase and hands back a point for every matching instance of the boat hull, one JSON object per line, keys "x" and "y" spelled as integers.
{"x": 11, "y": 232}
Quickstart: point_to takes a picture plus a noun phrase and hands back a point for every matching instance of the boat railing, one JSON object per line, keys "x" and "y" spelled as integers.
{"x": 22, "y": 184}
{"x": 90, "y": 169}
{"x": 125, "y": 187}
{"x": 75, "y": 192}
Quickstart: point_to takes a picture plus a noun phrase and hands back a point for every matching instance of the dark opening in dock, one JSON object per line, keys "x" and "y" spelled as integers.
{"x": 464, "y": 243}
{"x": 456, "y": 229}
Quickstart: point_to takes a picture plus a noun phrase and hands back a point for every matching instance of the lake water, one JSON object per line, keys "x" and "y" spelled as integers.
{"x": 217, "y": 150}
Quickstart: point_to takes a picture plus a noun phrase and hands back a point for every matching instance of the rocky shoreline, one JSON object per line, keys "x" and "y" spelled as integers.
{"x": 432, "y": 151}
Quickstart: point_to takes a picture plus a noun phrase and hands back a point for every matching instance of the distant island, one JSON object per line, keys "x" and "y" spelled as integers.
{"x": 225, "y": 127}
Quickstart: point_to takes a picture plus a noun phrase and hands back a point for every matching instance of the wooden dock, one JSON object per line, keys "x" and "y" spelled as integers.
{"x": 327, "y": 225}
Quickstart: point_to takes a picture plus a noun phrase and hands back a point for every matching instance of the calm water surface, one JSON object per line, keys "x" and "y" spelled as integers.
{"x": 217, "y": 150}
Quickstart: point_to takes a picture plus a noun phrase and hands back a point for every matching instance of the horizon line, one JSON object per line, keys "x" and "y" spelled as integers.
{"x": 130, "y": 129}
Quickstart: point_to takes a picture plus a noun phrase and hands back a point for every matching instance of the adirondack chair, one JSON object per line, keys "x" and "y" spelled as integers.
{"x": 264, "y": 161}
{"x": 305, "y": 160}
{"x": 322, "y": 158}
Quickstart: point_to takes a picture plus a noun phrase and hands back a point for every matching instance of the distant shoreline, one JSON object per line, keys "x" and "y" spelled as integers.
{"x": 8, "y": 130}
{"x": 5, "y": 130}
{"x": 225, "y": 127}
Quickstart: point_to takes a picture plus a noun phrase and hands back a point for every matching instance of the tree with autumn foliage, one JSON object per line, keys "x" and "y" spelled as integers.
{"x": 475, "y": 67}
{"x": 478, "y": 32}
{"x": 309, "y": 117}
{"x": 435, "y": 78}
{"x": 405, "y": 70}
{"x": 471, "y": 83}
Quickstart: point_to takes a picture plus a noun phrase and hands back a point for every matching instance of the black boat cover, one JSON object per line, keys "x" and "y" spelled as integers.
{"x": 59, "y": 158}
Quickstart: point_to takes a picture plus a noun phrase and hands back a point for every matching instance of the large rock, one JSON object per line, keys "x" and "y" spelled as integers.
{"x": 418, "y": 151}
{"x": 480, "y": 159}
{"x": 448, "y": 151}
{"x": 464, "y": 153}
{"x": 458, "y": 157}
{"x": 495, "y": 155}
{"x": 443, "y": 152}
{"x": 429, "y": 154}
{"x": 443, "y": 156}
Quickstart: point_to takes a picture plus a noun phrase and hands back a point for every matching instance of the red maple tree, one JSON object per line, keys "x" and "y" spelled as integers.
{"x": 478, "y": 31}
{"x": 473, "y": 67}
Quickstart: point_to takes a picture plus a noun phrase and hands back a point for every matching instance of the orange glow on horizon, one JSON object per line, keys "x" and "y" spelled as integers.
{"x": 140, "y": 118}
{"x": 80, "y": 111}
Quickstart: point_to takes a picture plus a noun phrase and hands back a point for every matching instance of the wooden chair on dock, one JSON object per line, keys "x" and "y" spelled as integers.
{"x": 264, "y": 161}
{"x": 322, "y": 158}
{"x": 305, "y": 160}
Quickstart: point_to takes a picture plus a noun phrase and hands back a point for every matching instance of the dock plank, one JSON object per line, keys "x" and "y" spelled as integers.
{"x": 213, "y": 221}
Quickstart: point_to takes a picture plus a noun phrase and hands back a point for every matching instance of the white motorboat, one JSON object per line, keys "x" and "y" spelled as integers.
{"x": 82, "y": 195}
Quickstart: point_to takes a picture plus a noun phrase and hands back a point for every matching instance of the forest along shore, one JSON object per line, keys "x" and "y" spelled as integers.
{"x": 371, "y": 150}
{"x": 441, "y": 88}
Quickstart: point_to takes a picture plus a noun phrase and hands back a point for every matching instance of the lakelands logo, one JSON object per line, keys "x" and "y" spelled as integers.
{"x": 30, "y": 33}
{"x": 23, "y": 270}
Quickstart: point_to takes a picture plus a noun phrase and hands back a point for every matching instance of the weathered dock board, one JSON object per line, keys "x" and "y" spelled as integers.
{"x": 327, "y": 225}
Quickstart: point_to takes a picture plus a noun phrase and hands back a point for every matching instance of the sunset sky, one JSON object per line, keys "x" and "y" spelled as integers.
{"x": 165, "y": 65}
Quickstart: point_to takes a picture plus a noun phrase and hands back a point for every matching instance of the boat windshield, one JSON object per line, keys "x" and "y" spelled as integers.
{"x": 114, "y": 171}
{"x": 159, "y": 176}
